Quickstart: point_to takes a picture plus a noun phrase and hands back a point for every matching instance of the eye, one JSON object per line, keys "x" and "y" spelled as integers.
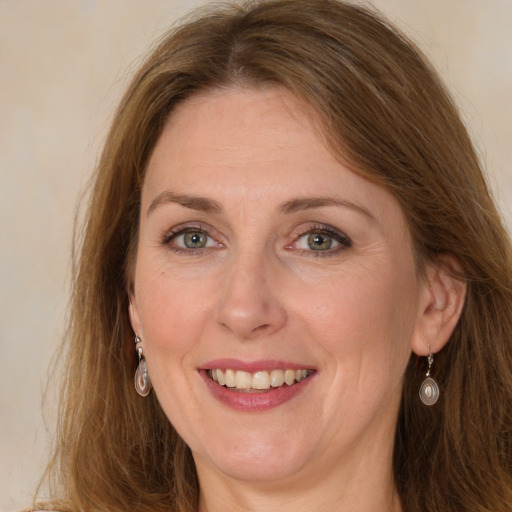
{"x": 321, "y": 240}
{"x": 189, "y": 239}
{"x": 317, "y": 242}
{"x": 193, "y": 240}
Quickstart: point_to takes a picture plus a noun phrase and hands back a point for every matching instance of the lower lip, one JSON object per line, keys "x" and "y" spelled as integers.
{"x": 254, "y": 402}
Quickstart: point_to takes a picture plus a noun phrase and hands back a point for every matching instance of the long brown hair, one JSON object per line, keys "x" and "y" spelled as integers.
{"x": 387, "y": 115}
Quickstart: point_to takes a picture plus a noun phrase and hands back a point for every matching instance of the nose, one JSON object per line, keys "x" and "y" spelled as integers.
{"x": 249, "y": 306}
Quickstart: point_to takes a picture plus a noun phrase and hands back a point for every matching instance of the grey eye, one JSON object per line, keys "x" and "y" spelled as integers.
{"x": 319, "y": 241}
{"x": 195, "y": 240}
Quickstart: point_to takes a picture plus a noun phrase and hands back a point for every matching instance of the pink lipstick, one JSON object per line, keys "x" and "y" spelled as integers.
{"x": 257, "y": 385}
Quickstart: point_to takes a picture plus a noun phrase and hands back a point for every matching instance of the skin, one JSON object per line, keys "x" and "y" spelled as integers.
{"x": 257, "y": 290}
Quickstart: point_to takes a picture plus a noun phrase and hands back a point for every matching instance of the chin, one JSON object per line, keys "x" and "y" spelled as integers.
{"x": 256, "y": 460}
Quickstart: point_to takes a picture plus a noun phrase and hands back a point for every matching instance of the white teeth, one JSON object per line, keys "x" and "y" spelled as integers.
{"x": 243, "y": 380}
{"x": 289, "y": 377}
{"x": 276, "y": 378}
{"x": 300, "y": 374}
{"x": 230, "y": 378}
{"x": 261, "y": 380}
{"x": 220, "y": 377}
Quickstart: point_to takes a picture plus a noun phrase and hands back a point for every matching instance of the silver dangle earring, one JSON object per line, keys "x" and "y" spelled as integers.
{"x": 142, "y": 380}
{"x": 429, "y": 390}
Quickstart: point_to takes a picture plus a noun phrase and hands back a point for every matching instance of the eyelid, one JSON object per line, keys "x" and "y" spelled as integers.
{"x": 187, "y": 227}
{"x": 169, "y": 234}
{"x": 344, "y": 242}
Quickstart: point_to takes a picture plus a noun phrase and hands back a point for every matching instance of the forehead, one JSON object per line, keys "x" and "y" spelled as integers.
{"x": 239, "y": 135}
{"x": 240, "y": 123}
{"x": 253, "y": 146}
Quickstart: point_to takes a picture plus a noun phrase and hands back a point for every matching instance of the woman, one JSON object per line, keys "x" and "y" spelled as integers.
{"x": 291, "y": 246}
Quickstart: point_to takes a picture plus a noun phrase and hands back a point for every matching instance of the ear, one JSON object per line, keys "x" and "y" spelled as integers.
{"x": 134, "y": 315}
{"x": 441, "y": 301}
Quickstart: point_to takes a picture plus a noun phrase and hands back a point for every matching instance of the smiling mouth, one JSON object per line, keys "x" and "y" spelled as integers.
{"x": 260, "y": 381}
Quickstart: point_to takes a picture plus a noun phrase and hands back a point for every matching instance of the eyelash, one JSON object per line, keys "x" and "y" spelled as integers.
{"x": 321, "y": 229}
{"x": 183, "y": 230}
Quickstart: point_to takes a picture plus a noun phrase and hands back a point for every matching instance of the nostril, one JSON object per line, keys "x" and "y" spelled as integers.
{"x": 261, "y": 328}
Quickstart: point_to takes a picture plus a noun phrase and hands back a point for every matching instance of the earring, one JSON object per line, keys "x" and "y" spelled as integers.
{"x": 142, "y": 380}
{"x": 429, "y": 390}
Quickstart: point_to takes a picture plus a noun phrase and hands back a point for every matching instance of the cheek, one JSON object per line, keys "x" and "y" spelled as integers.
{"x": 172, "y": 314}
{"x": 369, "y": 315}
{"x": 172, "y": 311}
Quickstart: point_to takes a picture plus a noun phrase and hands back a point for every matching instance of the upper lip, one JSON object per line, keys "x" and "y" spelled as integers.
{"x": 253, "y": 366}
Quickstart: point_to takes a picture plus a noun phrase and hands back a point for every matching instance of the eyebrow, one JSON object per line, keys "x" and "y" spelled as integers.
{"x": 206, "y": 205}
{"x": 193, "y": 202}
{"x": 308, "y": 203}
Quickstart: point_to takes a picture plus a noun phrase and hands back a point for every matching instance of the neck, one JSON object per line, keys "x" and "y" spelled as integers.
{"x": 363, "y": 482}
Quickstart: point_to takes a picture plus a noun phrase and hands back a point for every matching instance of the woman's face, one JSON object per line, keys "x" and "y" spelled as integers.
{"x": 261, "y": 259}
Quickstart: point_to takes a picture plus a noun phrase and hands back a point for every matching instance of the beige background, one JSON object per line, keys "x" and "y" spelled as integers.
{"x": 63, "y": 65}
